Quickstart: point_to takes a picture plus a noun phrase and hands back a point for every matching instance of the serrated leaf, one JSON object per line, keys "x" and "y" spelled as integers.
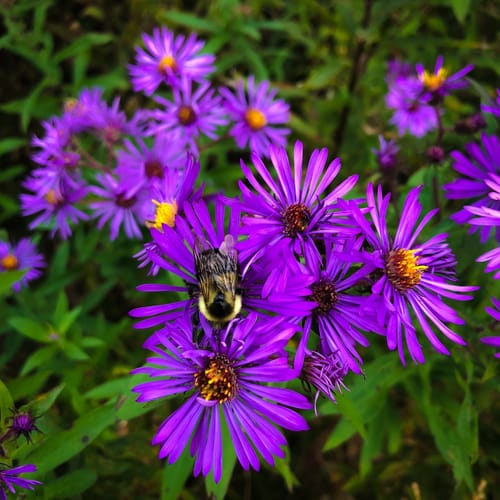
{"x": 59, "y": 448}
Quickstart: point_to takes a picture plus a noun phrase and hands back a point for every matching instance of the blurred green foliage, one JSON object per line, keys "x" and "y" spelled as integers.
{"x": 67, "y": 344}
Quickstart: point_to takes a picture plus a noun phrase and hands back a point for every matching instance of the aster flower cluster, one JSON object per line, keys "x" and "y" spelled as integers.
{"x": 95, "y": 163}
{"x": 293, "y": 260}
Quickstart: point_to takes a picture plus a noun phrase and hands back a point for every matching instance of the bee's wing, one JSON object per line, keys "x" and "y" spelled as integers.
{"x": 227, "y": 247}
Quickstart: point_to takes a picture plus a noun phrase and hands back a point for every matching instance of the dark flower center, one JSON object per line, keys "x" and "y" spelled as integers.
{"x": 402, "y": 269}
{"x": 296, "y": 218}
{"x": 217, "y": 382}
{"x": 324, "y": 294}
{"x": 124, "y": 202}
{"x": 154, "y": 168}
{"x": 186, "y": 115}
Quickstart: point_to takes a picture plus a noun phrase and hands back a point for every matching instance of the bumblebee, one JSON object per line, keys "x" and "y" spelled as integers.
{"x": 218, "y": 275}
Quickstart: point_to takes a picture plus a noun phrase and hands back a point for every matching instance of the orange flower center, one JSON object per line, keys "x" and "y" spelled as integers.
{"x": 218, "y": 382}
{"x": 255, "y": 119}
{"x": 402, "y": 269}
{"x": 9, "y": 262}
{"x": 167, "y": 62}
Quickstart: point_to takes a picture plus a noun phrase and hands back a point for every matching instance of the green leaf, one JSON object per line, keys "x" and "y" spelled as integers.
{"x": 460, "y": 9}
{"x": 175, "y": 476}
{"x": 43, "y": 402}
{"x": 38, "y": 358}
{"x": 7, "y": 279}
{"x": 282, "y": 465}
{"x": 73, "y": 351}
{"x": 68, "y": 319}
{"x": 6, "y": 403}
{"x": 61, "y": 308}
{"x": 110, "y": 389}
{"x": 31, "y": 329}
{"x": 69, "y": 485}
{"x": 343, "y": 431}
{"x": 82, "y": 44}
{"x": 10, "y": 144}
{"x": 59, "y": 448}
{"x": 189, "y": 20}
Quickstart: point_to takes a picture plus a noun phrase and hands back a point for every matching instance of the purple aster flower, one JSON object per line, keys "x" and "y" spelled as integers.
{"x": 120, "y": 204}
{"x": 144, "y": 166}
{"x": 169, "y": 59}
{"x": 495, "y": 107}
{"x": 488, "y": 217}
{"x": 255, "y": 114}
{"x": 224, "y": 377}
{"x": 396, "y": 70}
{"x": 53, "y": 148}
{"x": 338, "y": 316}
{"x": 438, "y": 83}
{"x": 413, "y": 275}
{"x": 257, "y": 287}
{"x": 167, "y": 198}
{"x": 80, "y": 114}
{"x": 324, "y": 373}
{"x": 291, "y": 208}
{"x": 22, "y": 256}
{"x": 494, "y": 312}
{"x": 23, "y": 424}
{"x": 111, "y": 124}
{"x": 56, "y": 206}
{"x": 412, "y": 111}
{"x": 191, "y": 114}
{"x": 9, "y": 479}
{"x": 387, "y": 154}
{"x": 477, "y": 167}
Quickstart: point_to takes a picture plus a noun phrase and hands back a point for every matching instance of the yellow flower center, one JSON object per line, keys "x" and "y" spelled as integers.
{"x": 255, "y": 119}
{"x": 53, "y": 198}
{"x": 218, "y": 382}
{"x": 402, "y": 268}
{"x": 9, "y": 262}
{"x": 434, "y": 81}
{"x": 167, "y": 62}
{"x": 165, "y": 214}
